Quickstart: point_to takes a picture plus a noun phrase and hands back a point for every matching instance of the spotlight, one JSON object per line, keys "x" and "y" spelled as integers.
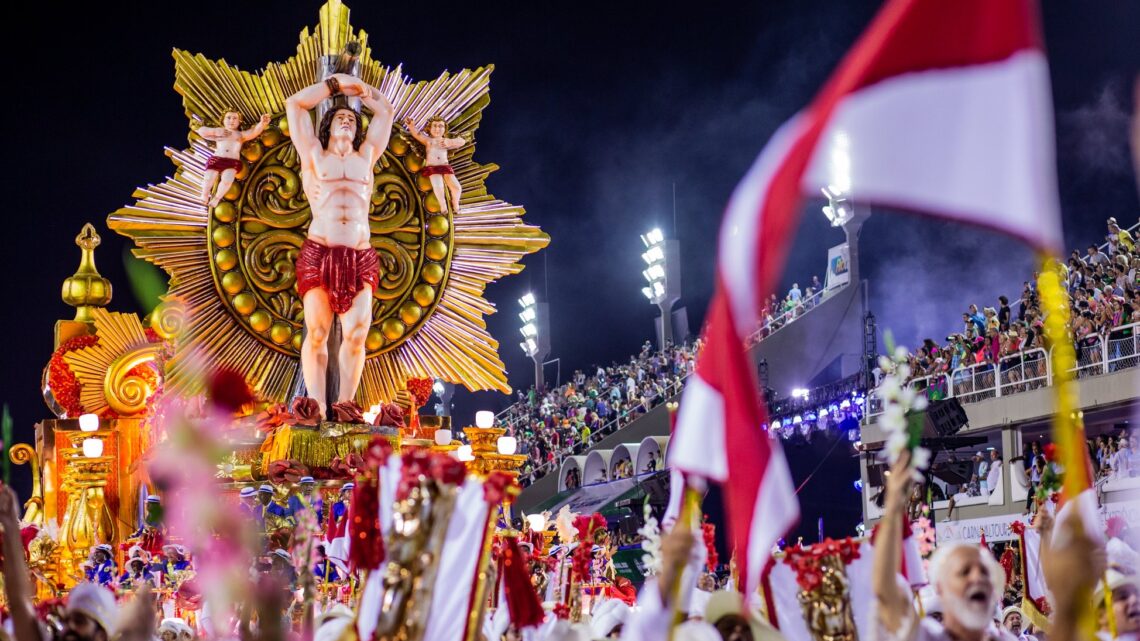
{"x": 858, "y": 485}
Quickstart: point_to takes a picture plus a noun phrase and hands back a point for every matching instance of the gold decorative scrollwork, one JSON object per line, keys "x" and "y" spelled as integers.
{"x": 269, "y": 258}
{"x": 168, "y": 319}
{"x": 21, "y": 454}
{"x": 126, "y": 392}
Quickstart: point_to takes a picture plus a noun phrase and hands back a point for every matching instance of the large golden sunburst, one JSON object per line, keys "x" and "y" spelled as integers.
{"x": 232, "y": 267}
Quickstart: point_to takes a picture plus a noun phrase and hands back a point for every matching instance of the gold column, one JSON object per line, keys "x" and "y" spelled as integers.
{"x": 87, "y": 519}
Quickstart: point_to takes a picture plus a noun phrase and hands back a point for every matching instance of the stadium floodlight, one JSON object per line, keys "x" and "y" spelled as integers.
{"x": 536, "y": 342}
{"x": 654, "y": 255}
{"x": 838, "y": 208}
{"x": 661, "y": 258}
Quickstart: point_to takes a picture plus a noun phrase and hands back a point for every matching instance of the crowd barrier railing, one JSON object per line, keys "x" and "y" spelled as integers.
{"x": 1025, "y": 371}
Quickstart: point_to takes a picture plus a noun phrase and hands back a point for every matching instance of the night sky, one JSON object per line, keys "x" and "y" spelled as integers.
{"x": 599, "y": 111}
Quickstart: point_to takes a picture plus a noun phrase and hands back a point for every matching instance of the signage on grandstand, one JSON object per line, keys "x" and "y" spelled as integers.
{"x": 970, "y": 530}
{"x": 838, "y": 267}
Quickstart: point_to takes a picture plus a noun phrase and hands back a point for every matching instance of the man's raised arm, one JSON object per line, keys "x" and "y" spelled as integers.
{"x": 297, "y": 109}
{"x": 892, "y": 601}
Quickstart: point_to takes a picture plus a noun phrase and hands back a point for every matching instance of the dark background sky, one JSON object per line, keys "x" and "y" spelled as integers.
{"x": 597, "y": 111}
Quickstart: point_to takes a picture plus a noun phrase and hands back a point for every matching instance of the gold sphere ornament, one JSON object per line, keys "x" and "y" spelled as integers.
{"x": 280, "y": 332}
{"x": 411, "y": 313}
{"x": 225, "y": 212}
{"x": 233, "y": 283}
{"x": 436, "y": 249}
{"x": 438, "y": 225}
{"x": 226, "y": 259}
{"x": 374, "y": 340}
{"x": 245, "y": 304}
{"x": 424, "y": 294}
{"x": 392, "y": 329}
{"x": 260, "y": 320}
{"x": 433, "y": 273}
{"x": 223, "y": 236}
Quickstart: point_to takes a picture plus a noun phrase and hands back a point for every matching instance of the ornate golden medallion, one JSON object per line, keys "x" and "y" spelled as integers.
{"x": 231, "y": 268}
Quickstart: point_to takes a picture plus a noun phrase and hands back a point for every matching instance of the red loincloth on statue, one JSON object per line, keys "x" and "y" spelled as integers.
{"x": 340, "y": 271}
{"x": 217, "y": 163}
{"x": 434, "y": 170}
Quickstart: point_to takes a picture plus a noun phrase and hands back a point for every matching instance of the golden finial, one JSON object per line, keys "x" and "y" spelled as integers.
{"x": 86, "y": 289}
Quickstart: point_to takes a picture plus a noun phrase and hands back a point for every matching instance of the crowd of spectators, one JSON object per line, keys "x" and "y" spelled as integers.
{"x": 566, "y": 420}
{"x": 776, "y": 312}
{"x": 1104, "y": 291}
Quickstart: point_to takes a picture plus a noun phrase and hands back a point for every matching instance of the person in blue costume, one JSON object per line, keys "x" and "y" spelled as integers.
{"x": 101, "y": 565}
{"x": 307, "y": 500}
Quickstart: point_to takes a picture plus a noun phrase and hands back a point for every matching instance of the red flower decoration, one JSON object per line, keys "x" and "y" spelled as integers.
{"x": 420, "y": 389}
{"x": 347, "y": 467}
{"x": 1050, "y": 452}
{"x": 65, "y": 387}
{"x": 417, "y": 466}
{"x": 1043, "y": 605}
{"x": 390, "y": 415}
{"x": 379, "y": 449}
{"x": 272, "y": 418}
{"x": 708, "y": 533}
{"x": 1017, "y": 527}
{"x": 807, "y": 562}
{"x": 228, "y": 390}
{"x": 305, "y": 411}
{"x": 287, "y": 471}
{"x": 561, "y": 610}
{"x": 347, "y": 412}
{"x": 447, "y": 470}
{"x": 1115, "y": 526}
{"x": 496, "y": 486}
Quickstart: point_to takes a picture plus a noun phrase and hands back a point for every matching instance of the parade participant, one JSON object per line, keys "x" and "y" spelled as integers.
{"x": 306, "y": 500}
{"x": 324, "y": 569}
{"x": 175, "y": 558}
{"x": 338, "y": 515}
{"x": 225, "y": 162}
{"x": 101, "y": 565}
{"x": 337, "y": 269}
{"x": 967, "y": 579}
{"x": 175, "y": 629}
{"x": 282, "y": 568}
{"x": 1125, "y": 590}
{"x": 436, "y": 168}
{"x": 1011, "y": 621}
{"x": 90, "y": 615}
{"x": 250, "y": 507}
{"x": 137, "y": 571}
{"x": 264, "y": 495}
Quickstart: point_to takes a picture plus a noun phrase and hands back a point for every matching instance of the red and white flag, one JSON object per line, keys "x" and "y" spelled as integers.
{"x": 942, "y": 108}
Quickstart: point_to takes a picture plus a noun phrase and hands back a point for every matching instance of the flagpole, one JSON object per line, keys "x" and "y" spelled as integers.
{"x": 1068, "y": 428}
{"x": 690, "y": 511}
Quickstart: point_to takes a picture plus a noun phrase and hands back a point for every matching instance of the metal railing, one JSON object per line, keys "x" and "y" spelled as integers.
{"x": 775, "y": 323}
{"x": 1025, "y": 371}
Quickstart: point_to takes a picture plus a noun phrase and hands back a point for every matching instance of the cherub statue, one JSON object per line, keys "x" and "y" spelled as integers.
{"x": 224, "y": 164}
{"x": 436, "y": 168}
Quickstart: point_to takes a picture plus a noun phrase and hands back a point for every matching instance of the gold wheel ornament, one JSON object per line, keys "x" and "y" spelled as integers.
{"x": 231, "y": 268}
{"x": 122, "y": 370}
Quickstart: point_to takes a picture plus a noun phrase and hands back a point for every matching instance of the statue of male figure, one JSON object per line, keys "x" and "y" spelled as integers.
{"x": 337, "y": 269}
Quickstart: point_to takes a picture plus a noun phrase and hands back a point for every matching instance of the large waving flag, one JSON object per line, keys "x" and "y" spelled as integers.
{"x": 942, "y": 108}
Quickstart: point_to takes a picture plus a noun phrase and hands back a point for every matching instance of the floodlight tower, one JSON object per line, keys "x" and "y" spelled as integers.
{"x": 536, "y": 333}
{"x": 841, "y": 209}
{"x": 663, "y": 273}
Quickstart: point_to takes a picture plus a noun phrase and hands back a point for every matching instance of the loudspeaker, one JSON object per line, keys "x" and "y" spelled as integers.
{"x": 943, "y": 418}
